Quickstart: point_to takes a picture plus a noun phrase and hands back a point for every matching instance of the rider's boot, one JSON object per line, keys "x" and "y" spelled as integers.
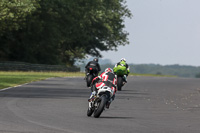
{"x": 92, "y": 96}
{"x": 86, "y": 74}
{"x": 108, "y": 103}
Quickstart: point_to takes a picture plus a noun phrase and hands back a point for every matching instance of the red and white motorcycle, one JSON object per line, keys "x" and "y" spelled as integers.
{"x": 99, "y": 101}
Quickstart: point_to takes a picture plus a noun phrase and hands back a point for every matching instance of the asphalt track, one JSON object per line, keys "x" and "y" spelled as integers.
{"x": 145, "y": 105}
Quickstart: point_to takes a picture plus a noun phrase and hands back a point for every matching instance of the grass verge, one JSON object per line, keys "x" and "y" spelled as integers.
{"x": 11, "y": 79}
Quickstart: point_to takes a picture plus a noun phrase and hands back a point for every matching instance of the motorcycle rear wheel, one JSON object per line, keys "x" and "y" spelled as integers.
{"x": 89, "y": 80}
{"x": 100, "y": 106}
{"x": 119, "y": 83}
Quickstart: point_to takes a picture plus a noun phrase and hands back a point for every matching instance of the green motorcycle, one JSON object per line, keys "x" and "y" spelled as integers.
{"x": 120, "y": 71}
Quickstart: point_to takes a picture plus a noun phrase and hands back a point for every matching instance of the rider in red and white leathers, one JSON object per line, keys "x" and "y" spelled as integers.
{"x": 108, "y": 78}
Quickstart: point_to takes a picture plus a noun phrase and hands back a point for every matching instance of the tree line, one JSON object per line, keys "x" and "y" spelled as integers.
{"x": 60, "y": 31}
{"x": 176, "y": 70}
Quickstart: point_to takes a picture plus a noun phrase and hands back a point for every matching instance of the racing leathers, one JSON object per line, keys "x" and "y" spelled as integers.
{"x": 105, "y": 79}
{"x": 94, "y": 65}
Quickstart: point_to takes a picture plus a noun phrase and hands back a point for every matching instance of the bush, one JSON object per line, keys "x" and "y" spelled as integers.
{"x": 197, "y": 75}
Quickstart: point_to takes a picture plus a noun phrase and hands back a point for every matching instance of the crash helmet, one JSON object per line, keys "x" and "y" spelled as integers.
{"x": 109, "y": 70}
{"x": 123, "y": 59}
{"x": 95, "y": 59}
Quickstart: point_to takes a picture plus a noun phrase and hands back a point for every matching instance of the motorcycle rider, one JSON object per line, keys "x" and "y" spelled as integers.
{"x": 94, "y": 65}
{"x": 123, "y": 63}
{"x": 107, "y": 78}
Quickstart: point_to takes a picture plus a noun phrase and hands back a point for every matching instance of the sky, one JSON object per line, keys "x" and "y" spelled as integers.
{"x": 164, "y": 32}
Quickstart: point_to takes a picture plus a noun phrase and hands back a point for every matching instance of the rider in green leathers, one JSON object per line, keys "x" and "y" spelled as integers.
{"x": 122, "y": 69}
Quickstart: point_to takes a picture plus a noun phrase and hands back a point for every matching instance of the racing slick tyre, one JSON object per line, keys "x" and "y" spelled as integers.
{"x": 119, "y": 83}
{"x": 89, "y": 80}
{"x": 100, "y": 106}
{"x": 89, "y": 112}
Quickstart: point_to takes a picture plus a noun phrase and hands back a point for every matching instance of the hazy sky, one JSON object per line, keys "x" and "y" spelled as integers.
{"x": 161, "y": 32}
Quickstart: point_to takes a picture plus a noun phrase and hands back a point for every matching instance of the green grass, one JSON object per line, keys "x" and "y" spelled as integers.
{"x": 10, "y": 79}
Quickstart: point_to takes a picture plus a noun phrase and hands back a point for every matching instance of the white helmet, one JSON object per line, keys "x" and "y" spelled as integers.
{"x": 123, "y": 59}
{"x": 109, "y": 70}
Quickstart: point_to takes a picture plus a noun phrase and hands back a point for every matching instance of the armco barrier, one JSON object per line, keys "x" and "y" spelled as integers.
{"x": 22, "y": 66}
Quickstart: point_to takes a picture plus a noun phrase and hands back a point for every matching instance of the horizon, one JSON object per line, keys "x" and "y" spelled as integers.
{"x": 109, "y": 61}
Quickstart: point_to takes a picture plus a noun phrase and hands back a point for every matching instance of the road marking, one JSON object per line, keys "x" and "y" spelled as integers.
{"x": 31, "y": 82}
{"x": 12, "y": 87}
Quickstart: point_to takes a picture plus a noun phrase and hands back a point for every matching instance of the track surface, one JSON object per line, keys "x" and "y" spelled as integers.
{"x": 145, "y": 105}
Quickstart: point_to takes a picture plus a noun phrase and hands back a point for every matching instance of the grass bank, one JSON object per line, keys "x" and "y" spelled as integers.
{"x": 10, "y": 79}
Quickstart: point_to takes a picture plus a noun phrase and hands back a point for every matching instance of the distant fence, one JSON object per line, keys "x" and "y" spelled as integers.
{"x": 22, "y": 66}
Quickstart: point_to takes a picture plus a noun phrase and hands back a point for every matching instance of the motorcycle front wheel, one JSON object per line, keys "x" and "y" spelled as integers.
{"x": 100, "y": 106}
{"x": 90, "y": 112}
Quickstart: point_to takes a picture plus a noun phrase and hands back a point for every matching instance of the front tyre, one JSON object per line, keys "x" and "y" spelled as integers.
{"x": 100, "y": 106}
{"x": 89, "y": 112}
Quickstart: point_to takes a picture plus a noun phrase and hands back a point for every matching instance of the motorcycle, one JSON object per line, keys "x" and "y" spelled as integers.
{"x": 89, "y": 77}
{"x": 120, "y": 82}
{"x": 98, "y": 103}
{"x": 120, "y": 71}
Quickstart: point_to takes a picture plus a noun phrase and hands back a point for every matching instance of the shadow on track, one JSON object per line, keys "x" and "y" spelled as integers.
{"x": 23, "y": 92}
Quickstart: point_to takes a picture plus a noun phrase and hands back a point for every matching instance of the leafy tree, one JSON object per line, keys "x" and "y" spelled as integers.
{"x": 12, "y": 18}
{"x": 63, "y": 31}
{"x": 13, "y": 13}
